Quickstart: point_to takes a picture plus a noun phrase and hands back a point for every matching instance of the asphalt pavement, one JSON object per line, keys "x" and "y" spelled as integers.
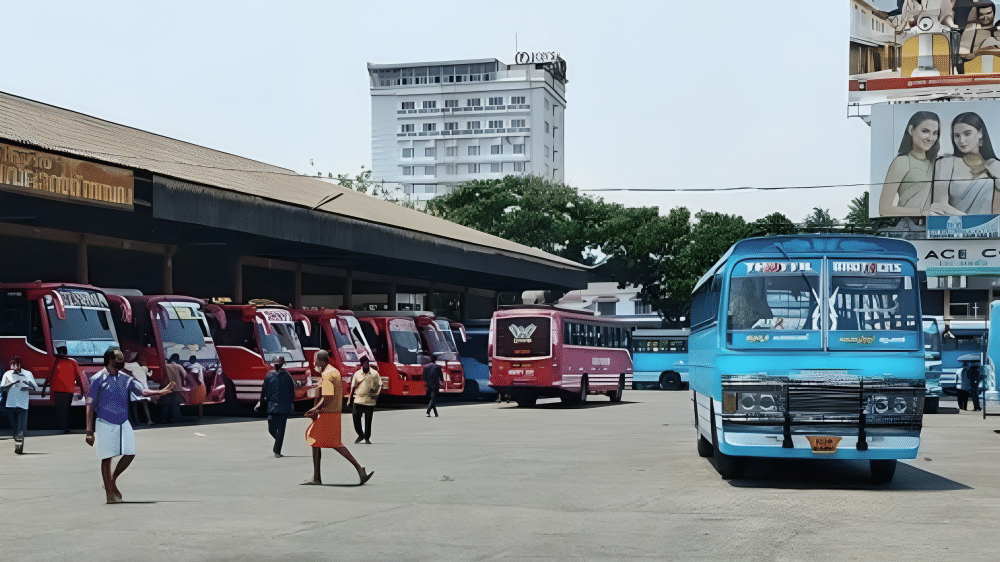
{"x": 486, "y": 481}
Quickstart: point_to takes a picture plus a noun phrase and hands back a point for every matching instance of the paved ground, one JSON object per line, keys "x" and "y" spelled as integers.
{"x": 484, "y": 481}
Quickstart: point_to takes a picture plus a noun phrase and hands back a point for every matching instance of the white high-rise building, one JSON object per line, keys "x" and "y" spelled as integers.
{"x": 435, "y": 124}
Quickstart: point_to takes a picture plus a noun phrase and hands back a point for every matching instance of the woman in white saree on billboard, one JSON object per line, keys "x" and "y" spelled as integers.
{"x": 906, "y": 191}
{"x": 965, "y": 182}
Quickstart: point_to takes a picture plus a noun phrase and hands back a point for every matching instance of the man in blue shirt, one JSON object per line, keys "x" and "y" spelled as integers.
{"x": 278, "y": 397}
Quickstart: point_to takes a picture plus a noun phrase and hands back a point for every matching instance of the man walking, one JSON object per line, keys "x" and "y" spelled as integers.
{"x": 324, "y": 431}
{"x": 432, "y": 376}
{"x": 107, "y": 418}
{"x": 277, "y": 396}
{"x": 365, "y": 388}
{"x": 17, "y": 383}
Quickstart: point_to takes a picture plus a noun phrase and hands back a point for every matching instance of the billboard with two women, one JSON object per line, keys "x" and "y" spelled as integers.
{"x": 935, "y": 159}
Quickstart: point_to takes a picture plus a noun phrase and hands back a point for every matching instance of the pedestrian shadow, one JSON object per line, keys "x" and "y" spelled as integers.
{"x": 30, "y": 453}
{"x": 331, "y": 485}
{"x": 124, "y": 502}
{"x": 816, "y": 474}
{"x": 946, "y": 410}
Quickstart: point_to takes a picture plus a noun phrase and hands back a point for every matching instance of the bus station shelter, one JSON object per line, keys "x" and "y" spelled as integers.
{"x": 90, "y": 201}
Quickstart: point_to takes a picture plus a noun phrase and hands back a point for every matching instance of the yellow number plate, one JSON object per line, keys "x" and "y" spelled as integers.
{"x": 823, "y": 443}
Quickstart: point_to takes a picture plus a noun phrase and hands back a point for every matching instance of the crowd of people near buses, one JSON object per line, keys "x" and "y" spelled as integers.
{"x": 115, "y": 388}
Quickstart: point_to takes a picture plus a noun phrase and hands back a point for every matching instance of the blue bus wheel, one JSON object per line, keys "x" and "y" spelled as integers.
{"x": 882, "y": 470}
{"x": 670, "y": 380}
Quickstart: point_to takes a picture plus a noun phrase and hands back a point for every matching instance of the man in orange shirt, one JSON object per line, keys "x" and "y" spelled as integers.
{"x": 64, "y": 374}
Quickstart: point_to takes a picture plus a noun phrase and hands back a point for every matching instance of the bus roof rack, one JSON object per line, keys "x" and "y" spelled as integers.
{"x": 546, "y": 307}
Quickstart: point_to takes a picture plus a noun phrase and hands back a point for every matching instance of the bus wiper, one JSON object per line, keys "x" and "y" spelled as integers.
{"x": 808, "y": 284}
{"x": 176, "y": 312}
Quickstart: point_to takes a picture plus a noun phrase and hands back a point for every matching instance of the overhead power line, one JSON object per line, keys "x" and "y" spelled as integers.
{"x": 740, "y": 188}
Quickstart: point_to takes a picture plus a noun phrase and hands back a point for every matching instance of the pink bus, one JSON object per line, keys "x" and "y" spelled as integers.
{"x": 547, "y": 352}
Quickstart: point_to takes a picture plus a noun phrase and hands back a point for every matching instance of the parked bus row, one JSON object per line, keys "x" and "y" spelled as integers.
{"x": 225, "y": 350}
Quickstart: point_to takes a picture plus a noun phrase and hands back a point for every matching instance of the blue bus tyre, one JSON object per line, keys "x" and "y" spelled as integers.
{"x": 705, "y": 448}
{"x": 616, "y": 395}
{"x": 882, "y": 470}
{"x": 670, "y": 380}
{"x": 931, "y": 404}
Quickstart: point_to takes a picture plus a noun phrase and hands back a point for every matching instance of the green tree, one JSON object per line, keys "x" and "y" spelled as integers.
{"x": 773, "y": 225}
{"x": 819, "y": 219}
{"x": 858, "y": 217}
{"x": 364, "y": 183}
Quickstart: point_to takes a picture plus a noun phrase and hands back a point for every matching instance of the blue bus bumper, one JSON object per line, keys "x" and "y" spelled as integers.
{"x": 738, "y": 443}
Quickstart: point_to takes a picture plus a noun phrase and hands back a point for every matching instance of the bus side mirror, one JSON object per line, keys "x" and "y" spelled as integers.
{"x": 461, "y": 329}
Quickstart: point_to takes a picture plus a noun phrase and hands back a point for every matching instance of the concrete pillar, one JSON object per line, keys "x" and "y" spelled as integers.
{"x": 238, "y": 288}
{"x": 392, "y": 295}
{"x": 168, "y": 269}
{"x": 82, "y": 269}
{"x": 429, "y": 305}
{"x": 947, "y": 304}
{"x": 297, "y": 303}
{"x": 349, "y": 289}
{"x": 464, "y": 304}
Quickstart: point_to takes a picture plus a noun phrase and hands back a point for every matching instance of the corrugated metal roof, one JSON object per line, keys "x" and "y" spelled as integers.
{"x": 61, "y": 130}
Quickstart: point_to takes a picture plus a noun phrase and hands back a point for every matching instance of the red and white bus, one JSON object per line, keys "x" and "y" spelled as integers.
{"x": 37, "y": 319}
{"x": 168, "y": 328}
{"x": 254, "y": 336}
{"x": 397, "y": 345}
{"x": 339, "y": 333}
{"x": 542, "y": 351}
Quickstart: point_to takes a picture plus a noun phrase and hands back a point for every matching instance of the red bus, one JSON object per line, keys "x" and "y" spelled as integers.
{"x": 397, "y": 345}
{"x": 438, "y": 339}
{"x": 542, "y": 351}
{"x": 36, "y": 319}
{"x": 340, "y": 334}
{"x": 171, "y": 327}
{"x": 253, "y": 337}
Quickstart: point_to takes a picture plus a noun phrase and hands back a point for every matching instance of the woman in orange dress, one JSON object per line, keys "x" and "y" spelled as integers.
{"x": 324, "y": 431}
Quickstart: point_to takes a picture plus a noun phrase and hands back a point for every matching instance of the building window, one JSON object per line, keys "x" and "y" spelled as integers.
{"x": 408, "y": 128}
{"x": 496, "y": 149}
{"x": 430, "y": 152}
{"x": 498, "y": 124}
{"x": 473, "y": 125}
{"x": 546, "y": 151}
{"x": 473, "y": 151}
{"x": 546, "y": 127}
{"x": 473, "y": 168}
{"x": 517, "y": 122}
{"x": 606, "y": 308}
{"x": 451, "y": 103}
{"x": 495, "y": 167}
{"x": 408, "y": 105}
{"x": 407, "y": 153}
{"x": 546, "y": 104}
{"x": 429, "y": 170}
{"x": 430, "y": 127}
{"x": 517, "y": 100}
{"x": 450, "y": 169}
{"x": 496, "y": 101}
{"x": 430, "y": 104}
{"x": 518, "y": 166}
{"x": 451, "y": 151}
{"x": 451, "y": 126}
{"x": 473, "y": 102}
{"x": 518, "y": 149}
{"x": 407, "y": 170}
{"x": 641, "y": 308}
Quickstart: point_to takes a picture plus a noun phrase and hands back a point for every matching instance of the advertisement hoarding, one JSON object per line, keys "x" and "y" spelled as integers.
{"x": 922, "y": 49}
{"x": 936, "y": 159}
{"x": 40, "y": 174}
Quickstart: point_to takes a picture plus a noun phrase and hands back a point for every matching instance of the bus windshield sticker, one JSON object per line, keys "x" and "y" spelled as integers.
{"x": 777, "y": 267}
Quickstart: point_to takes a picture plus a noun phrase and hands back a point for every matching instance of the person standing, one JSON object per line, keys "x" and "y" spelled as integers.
{"x": 432, "y": 376}
{"x": 277, "y": 396}
{"x": 18, "y": 382}
{"x": 64, "y": 375}
{"x": 324, "y": 431}
{"x": 171, "y": 403}
{"x": 107, "y": 418}
{"x": 365, "y": 388}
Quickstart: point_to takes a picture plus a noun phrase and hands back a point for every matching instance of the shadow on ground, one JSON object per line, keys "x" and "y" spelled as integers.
{"x": 814, "y": 474}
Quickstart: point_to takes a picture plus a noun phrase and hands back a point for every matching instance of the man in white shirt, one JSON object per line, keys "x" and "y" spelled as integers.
{"x": 17, "y": 383}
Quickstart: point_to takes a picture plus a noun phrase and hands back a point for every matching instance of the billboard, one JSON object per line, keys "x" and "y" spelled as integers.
{"x": 40, "y": 174}
{"x": 922, "y": 49}
{"x": 936, "y": 160}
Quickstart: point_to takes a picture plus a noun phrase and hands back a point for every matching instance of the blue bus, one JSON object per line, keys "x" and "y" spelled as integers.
{"x": 809, "y": 347}
{"x": 660, "y": 358}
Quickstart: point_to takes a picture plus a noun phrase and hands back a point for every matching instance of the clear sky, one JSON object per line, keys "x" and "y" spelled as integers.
{"x": 663, "y": 94}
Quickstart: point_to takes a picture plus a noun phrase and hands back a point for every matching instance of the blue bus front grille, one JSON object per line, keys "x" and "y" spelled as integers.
{"x": 826, "y": 399}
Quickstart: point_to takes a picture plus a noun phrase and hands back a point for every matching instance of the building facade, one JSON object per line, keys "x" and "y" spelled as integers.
{"x": 435, "y": 124}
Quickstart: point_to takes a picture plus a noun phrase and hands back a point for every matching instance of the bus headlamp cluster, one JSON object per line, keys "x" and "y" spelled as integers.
{"x": 886, "y": 403}
{"x": 752, "y": 402}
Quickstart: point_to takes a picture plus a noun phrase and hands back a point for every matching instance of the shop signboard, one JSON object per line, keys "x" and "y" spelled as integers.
{"x": 40, "y": 174}
{"x": 935, "y": 159}
{"x": 958, "y": 257}
{"x": 920, "y": 49}
{"x": 968, "y": 226}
